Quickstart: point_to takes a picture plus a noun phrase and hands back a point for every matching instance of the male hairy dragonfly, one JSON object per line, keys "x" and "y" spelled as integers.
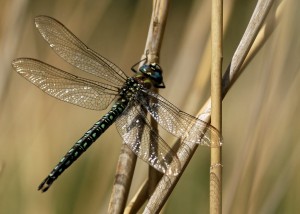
{"x": 132, "y": 98}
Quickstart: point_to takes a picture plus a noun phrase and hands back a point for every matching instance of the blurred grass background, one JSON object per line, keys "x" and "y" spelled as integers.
{"x": 260, "y": 113}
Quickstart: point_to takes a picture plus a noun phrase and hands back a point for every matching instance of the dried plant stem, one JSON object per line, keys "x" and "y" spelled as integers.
{"x": 272, "y": 21}
{"x": 152, "y": 48}
{"x": 167, "y": 184}
{"x": 156, "y": 30}
{"x": 122, "y": 182}
{"x": 127, "y": 160}
{"x": 233, "y": 70}
{"x": 138, "y": 200}
{"x": 216, "y": 105}
{"x": 266, "y": 31}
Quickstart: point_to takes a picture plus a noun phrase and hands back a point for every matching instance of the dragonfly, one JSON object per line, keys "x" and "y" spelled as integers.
{"x": 132, "y": 97}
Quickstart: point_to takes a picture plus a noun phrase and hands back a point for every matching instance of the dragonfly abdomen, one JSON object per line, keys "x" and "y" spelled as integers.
{"x": 85, "y": 142}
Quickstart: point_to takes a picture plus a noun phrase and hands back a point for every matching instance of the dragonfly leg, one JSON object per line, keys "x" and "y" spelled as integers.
{"x": 133, "y": 69}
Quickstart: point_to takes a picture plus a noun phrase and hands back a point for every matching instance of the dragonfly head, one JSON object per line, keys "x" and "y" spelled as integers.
{"x": 154, "y": 72}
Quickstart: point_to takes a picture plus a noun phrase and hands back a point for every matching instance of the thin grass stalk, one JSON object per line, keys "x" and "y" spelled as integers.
{"x": 216, "y": 105}
{"x": 167, "y": 184}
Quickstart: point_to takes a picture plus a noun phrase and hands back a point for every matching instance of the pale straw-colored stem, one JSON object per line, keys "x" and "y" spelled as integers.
{"x": 167, "y": 184}
{"x": 216, "y": 105}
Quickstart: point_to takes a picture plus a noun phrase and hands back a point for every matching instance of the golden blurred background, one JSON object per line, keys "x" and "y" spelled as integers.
{"x": 260, "y": 113}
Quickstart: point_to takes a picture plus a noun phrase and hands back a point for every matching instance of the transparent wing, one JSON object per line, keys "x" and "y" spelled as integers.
{"x": 71, "y": 49}
{"x": 145, "y": 142}
{"x": 65, "y": 86}
{"x": 177, "y": 122}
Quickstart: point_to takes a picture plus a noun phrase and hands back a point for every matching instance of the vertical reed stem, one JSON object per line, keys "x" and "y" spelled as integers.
{"x": 152, "y": 50}
{"x": 216, "y": 105}
{"x": 167, "y": 184}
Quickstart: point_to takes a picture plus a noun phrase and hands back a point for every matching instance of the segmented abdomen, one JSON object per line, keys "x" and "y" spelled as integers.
{"x": 83, "y": 143}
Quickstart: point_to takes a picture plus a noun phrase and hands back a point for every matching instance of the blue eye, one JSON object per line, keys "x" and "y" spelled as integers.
{"x": 157, "y": 76}
{"x": 154, "y": 72}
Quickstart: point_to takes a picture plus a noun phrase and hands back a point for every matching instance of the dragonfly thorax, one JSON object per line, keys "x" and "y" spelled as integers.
{"x": 130, "y": 88}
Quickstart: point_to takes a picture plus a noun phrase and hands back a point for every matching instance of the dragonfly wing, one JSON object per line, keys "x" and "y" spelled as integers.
{"x": 177, "y": 122}
{"x": 65, "y": 86}
{"x": 145, "y": 142}
{"x": 74, "y": 51}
